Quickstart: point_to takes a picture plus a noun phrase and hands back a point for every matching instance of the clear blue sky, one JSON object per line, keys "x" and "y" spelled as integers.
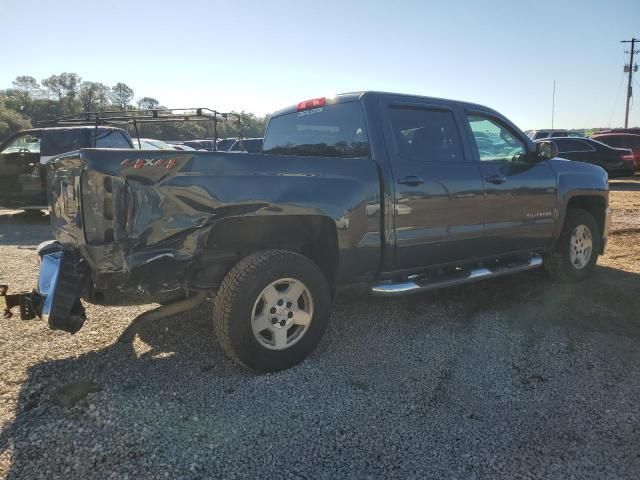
{"x": 262, "y": 55}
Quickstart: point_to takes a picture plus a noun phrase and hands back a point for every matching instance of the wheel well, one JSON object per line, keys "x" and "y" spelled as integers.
{"x": 231, "y": 239}
{"x": 595, "y": 205}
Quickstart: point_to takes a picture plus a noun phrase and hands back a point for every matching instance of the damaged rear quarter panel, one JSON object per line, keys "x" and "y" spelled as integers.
{"x": 146, "y": 217}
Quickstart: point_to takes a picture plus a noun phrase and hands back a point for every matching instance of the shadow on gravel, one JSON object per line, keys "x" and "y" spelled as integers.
{"x": 25, "y": 217}
{"x": 174, "y": 371}
{"x": 24, "y": 227}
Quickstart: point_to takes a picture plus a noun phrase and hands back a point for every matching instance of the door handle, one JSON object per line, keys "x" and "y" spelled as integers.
{"x": 411, "y": 180}
{"x": 496, "y": 179}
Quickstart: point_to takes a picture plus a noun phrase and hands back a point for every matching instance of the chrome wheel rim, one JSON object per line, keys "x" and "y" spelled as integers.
{"x": 581, "y": 246}
{"x": 282, "y": 314}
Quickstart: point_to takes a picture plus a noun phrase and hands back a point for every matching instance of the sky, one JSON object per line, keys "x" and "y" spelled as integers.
{"x": 260, "y": 56}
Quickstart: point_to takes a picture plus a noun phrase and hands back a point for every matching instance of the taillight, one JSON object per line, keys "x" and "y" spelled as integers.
{"x": 313, "y": 103}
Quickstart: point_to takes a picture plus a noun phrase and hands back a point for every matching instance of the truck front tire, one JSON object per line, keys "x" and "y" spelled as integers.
{"x": 575, "y": 253}
{"x": 271, "y": 310}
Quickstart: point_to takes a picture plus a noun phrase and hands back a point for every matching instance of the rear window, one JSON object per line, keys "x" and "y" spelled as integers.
{"x": 336, "y": 130}
{"x": 55, "y": 142}
{"x": 111, "y": 139}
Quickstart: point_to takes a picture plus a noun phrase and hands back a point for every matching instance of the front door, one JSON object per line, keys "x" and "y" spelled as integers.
{"x": 438, "y": 187}
{"x": 519, "y": 193}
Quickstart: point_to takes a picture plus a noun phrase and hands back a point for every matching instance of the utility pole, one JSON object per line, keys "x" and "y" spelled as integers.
{"x": 630, "y": 68}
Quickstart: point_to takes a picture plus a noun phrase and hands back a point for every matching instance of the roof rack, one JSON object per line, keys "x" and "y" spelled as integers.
{"x": 159, "y": 115}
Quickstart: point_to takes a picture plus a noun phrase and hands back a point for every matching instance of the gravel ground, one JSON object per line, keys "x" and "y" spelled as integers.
{"x": 510, "y": 378}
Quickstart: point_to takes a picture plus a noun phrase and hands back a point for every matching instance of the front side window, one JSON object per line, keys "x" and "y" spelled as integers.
{"x": 425, "y": 135}
{"x": 495, "y": 142}
{"x": 24, "y": 144}
{"x": 333, "y": 130}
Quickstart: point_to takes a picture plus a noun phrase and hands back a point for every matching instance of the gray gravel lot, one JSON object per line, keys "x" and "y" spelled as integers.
{"x": 511, "y": 378}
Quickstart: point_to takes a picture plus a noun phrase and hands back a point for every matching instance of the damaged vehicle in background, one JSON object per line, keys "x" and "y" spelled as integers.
{"x": 23, "y": 156}
{"x": 384, "y": 190}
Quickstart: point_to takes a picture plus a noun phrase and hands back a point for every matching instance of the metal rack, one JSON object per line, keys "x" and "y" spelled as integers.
{"x": 160, "y": 115}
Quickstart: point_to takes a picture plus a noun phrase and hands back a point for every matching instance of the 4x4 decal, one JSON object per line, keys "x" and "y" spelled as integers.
{"x": 150, "y": 162}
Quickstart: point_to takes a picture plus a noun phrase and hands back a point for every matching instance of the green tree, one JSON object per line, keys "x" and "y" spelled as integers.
{"x": 94, "y": 96}
{"x": 10, "y": 120}
{"x": 63, "y": 85}
{"x": 121, "y": 95}
{"x": 28, "y": 88}
{"x": 148, "y": 103}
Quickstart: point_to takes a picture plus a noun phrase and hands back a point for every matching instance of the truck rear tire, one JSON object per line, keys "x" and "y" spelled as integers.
{"x": 575, "y": 253}
{"x": 271, "y": 310}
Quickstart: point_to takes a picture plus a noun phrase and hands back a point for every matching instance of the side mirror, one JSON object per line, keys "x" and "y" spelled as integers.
{"x": 546, "y": 150}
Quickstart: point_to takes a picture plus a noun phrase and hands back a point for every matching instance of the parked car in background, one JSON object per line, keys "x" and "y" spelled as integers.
{"x": 199, "y": 144}
{"x": 622, "y": 140}
{"x": 633, "y": 130}
{"x": 141, "y": 144}
{"x": 616, "y": 161}
{"x": 540, "y": 134}
{"x": 249, "y": 145}
{"x": 23, "y": 178}
{"x": 151, "y": 144}
{"x": 225, "y": 144}
{"x": 182, "y": 147}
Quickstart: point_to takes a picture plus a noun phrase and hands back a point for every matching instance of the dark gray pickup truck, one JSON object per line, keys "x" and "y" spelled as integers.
{"x": 401, "y": 193}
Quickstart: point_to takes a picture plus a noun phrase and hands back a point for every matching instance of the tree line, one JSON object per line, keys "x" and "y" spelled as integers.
{"x": 29, "y": 101}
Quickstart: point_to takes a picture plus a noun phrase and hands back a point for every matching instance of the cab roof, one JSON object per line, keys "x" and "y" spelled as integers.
{"x": 357, "y": 96}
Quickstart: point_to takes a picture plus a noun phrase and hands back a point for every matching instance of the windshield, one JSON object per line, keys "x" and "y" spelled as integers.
{"x": 24, "y": 143}
{"x": 336, "y": 130}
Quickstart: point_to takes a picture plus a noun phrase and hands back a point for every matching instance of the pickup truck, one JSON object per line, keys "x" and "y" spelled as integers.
{"x": 386, "y": 190}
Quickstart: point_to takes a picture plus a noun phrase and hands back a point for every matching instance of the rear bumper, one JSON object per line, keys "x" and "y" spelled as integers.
{"x": 57, "y": 296}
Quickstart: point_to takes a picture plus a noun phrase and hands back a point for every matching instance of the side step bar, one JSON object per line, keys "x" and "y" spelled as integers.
{"x": 413, "y": 285}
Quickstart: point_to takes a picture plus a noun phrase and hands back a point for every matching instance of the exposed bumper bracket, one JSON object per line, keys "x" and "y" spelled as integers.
{"x": 30, "y": 303}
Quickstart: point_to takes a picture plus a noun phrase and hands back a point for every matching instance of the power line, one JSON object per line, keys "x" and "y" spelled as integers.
{"x": 615, "y": 103}
{"x": 631, "y": 67}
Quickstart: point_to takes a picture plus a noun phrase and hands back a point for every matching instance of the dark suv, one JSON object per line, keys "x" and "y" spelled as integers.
{"x": 23, "y": 157}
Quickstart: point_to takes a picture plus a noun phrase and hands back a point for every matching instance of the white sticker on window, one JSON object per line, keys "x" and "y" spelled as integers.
{"x": 310, "y": 112}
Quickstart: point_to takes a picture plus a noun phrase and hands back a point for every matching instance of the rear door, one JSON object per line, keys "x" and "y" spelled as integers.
{"x": 578, "y": 150}
{"x": 519, "y": 194}
{"x": 438, "y": 188}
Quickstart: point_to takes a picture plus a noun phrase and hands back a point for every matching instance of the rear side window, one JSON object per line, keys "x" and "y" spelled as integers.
{"x": 335, "y": 130}
{"x": 55, "y": 142}
{"x": 426, "y": 135}
{"x": 573, "y": 146}
{"x": 611, "y": 141}
{"x": 111, "y": 139}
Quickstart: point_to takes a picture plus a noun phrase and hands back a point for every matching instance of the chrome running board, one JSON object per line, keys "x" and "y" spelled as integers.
{"x": 414, "y": 285}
